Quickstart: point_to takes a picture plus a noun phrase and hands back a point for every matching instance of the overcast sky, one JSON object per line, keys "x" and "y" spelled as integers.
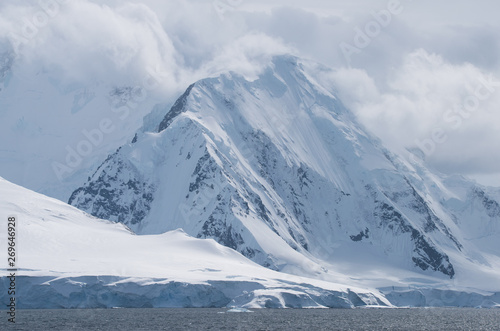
{"x": 417, "y": 73}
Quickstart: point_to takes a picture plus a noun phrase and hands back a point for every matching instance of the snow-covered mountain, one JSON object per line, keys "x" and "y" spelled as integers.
{"x": 68, "y": 259}
{"x": 279, "y": 170}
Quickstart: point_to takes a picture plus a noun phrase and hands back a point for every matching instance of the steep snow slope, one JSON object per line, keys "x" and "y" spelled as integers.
{"x": 279, "y": 170}
{"x": 70, "y": 259}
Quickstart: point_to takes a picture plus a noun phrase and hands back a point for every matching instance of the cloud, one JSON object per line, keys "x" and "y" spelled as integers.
{"x": 247, "y": 55}
{"x": 402, "y": 84}
{"x": 477, "y": 44}
{"x": 121, "y": 42}
{"x": 81, "y": 40}
{"x": 448, "y": 111}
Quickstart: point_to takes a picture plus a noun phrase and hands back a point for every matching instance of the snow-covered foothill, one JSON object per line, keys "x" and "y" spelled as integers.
{"x": 69, "y": 259}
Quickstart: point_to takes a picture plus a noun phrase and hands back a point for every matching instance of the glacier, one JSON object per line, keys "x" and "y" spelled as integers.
{"x": 69, "y": 259}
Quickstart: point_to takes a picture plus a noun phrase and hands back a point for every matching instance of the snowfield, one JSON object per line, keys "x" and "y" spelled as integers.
{"x": 69, "y": 259}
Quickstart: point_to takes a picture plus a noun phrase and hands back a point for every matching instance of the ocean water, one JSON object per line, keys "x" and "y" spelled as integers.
{"x": 257, "y": 319}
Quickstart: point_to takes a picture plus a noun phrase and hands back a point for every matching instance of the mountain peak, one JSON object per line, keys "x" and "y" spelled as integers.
{"x": 178, "y": 107}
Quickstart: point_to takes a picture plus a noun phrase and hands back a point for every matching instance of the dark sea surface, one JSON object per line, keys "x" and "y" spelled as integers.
{"x": 258, "y": 319}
